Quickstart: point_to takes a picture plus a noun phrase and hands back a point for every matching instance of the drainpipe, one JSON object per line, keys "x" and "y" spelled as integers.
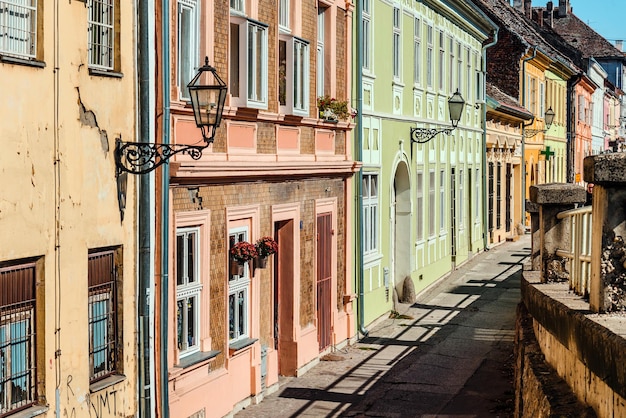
{"x": 359, "y": 157}
{"x": 484, "y": 153}
{"x": 165, "y": 209}
{"x": 145, "y": 17}
{"x": 524, "y": 61}
{"x": 571, "y": 127}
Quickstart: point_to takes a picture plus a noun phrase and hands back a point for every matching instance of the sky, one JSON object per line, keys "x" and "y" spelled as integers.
{"x": 607, "y": 17}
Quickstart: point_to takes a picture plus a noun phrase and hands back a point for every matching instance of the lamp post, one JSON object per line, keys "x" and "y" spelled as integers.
{"x": 208, "y": 95}
{"x": 455, "y": 107}
{"x": 548, "y": 119}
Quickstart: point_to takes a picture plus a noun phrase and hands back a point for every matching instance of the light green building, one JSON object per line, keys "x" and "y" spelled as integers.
{"x": 422, "y": 204}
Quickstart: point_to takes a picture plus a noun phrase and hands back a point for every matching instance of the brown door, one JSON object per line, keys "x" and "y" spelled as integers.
{"x": 284, "y": 315}
{"x": 324, "y": 279}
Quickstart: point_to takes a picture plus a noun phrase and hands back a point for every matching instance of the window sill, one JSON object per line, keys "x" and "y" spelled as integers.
{"x": 196, "y": 358}
{"x": 32, "y": 411}
{"x": 105, "y": 73}
{"x": 22, "y": 61}
{"x": 106, "y": 382}
{"x": 241, "y": 344}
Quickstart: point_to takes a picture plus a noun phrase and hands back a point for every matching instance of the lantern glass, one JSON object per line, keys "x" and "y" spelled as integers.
{"x": 208, "y": 95}
{"x": 549, "y": 117}
{"x": 455, "y": 106}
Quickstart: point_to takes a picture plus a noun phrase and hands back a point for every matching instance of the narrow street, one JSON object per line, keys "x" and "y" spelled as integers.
{"x": 447, "y": 355}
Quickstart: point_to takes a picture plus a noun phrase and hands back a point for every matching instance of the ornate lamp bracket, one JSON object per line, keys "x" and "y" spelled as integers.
{"x": 423, "y": 135}
{"x": 143, "y": 157}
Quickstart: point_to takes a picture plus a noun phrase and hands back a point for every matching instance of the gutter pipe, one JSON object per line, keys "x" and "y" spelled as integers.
{"x": 359, "y": 157}
{"x": 524, "y": 61}
{"x": 165, "y": 209}
{"x": 484, "y": 153}
{"x": 144, "y": 228}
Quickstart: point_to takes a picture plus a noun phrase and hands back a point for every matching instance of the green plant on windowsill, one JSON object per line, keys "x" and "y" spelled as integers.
{"x": 331, "y": 109}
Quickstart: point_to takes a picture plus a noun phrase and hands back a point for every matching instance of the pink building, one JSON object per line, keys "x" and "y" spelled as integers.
{"x": 275, "y": 169}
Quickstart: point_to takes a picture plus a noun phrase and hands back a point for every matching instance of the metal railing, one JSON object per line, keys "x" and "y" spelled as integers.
{"x": 579, "y": 251}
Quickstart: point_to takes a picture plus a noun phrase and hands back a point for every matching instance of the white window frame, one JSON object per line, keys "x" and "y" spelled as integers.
{"x": 459, "y": 67}
{"x": 321, "y": 38}
{"x": 397, "y": 42}
{"x": 367, "y": 36}
{"x": 441, "y": 60}
{"x": 239, "y": 287}
{"x": 18, "y": 30}
{"x": 252, "y": 79}
{"x": 187, "y": 41}
{"x": 371, "y": 213}
{"x": 432, "y": 204}
{"x": 451, "y": 64}
{"x": 284, "y": 18}
{"x": 419, "y": 204}
{"x": 101, "y": 35}
{"x": 188, "y": 291}
{"x": 238, "y": 5}
{"x": 468, "y": 75}
{"x": 417, "y": 50}
{"x": 297, "y": 74}
{"x": 429, "y": 56}
{"x": 442, "y": 199}
{"x": 461, "y": 214}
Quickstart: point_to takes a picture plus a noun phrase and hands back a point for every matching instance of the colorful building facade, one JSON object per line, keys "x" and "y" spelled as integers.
{"x": 67, "y": 224}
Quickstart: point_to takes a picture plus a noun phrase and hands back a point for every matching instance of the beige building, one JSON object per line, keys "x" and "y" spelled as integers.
{"x": 67, "y": 248}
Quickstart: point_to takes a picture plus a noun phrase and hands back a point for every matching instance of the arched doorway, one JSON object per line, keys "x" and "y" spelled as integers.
{"x": 401, "y": 226}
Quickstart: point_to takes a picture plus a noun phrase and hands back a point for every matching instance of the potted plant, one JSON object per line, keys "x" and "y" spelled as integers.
{"x": 265, "y": 247}
{"x": 333, "y": 110}
{"x": 240, "y": 253}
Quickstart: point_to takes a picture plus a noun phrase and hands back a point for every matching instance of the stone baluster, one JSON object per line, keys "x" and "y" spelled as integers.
{"x": 608, "y": 257}
{"x": 553, "y": 233}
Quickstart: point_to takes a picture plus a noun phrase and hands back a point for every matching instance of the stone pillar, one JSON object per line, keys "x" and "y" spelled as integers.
{"x": 608, "y": 257}
{"x": 554, "y": 234}
{"x": 535, "y": 238}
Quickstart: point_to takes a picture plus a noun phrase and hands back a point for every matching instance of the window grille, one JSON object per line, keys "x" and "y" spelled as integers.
{"x": 18, "y": 27}
{"x": 101, "y": 33}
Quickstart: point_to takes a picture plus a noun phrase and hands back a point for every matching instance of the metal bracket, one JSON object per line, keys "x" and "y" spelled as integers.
{"x": 143, "y": 157}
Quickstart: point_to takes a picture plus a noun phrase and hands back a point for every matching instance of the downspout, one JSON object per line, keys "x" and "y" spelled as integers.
{"x": 144, "y": 257}
{"x": 165, "y": 209}
{"x": 484, "y": 153}
{"x": 524, "y": 61}
{"x": 359, "y": 157}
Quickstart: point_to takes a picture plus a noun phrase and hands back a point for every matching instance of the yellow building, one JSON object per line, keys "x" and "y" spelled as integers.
{"x": 67, "y": 248}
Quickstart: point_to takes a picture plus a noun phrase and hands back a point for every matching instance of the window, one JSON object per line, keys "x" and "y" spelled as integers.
{"x": 533, "y": 96}
{"x": 18, "y": 340}
{"x": 442, "y": 199}
{"x": 419, "y": 205}
{"x": 477, "y": 195}
{"x": 293, "y": 69}
{"x": 459, "y": 67}
{"x": 188, "y": 290}
{"x": 321, "y": 35}
{"x": 248, "y": 63}
{"x": 104, "y": 344}
{"x": 542, "y": 99}
{"x": 396, "y": 42}
{"x": 441, "y": 63}
{"x": 283, "y": 14}
{"x": 238, "y": 5}
{"x": 461, "y": 216}
{"x": 491, "y": 192}
{"x": 451, "y": 64}
{"x": 188, "y": 28}
{"x": 370, "y": 213}
{"x": 18, "y": 28}
{"x": 429, "y": 57}
{"x": 238, "y": 292}
{"x": 417, "y": 50}
{"x": 431, "y": 203}
{"x": 499, "y": 195}
{"x": 468, "y": 74}
{"x": 367, "y": 41}
{"x": 101, "y": 32}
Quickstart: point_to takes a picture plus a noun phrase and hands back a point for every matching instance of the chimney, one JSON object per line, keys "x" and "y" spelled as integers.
{"x": 517, "y": 4}
{"x": 540, "y": 18}
{"x": 528, "y": 9}
{"x": 550, "y": 8}
{"x": 619, "y": 45}
{"x": 564, "y": 8}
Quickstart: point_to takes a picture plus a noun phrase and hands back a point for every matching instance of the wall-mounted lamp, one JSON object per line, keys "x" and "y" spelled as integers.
{"x": 208, "y": 95}
{"x": 455, "y": 107}
{"x": 548, "y": 119}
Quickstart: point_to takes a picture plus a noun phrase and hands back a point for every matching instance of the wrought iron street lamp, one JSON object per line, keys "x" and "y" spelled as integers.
{"x": 208, "y": 94}
{"x": 455, "y": 107}
{"x": 548, "y": 119}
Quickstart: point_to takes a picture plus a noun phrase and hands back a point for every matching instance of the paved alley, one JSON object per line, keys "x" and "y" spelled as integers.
{"x": 447, "y": 355}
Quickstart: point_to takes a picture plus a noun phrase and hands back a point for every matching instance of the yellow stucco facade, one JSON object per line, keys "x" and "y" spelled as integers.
{"x": 67, "y": 259}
